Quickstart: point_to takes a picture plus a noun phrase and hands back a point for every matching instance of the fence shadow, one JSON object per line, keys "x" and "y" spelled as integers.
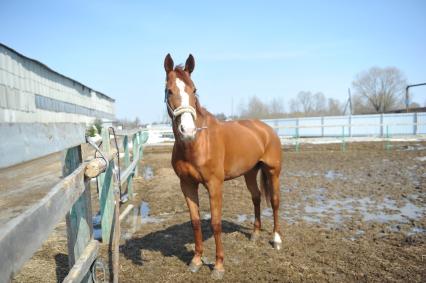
{"x": 173, "y": 240}
{"x": 62, "y": 267}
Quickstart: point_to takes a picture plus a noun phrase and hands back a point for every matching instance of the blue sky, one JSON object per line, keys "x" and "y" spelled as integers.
{"x": 271, "y": 49}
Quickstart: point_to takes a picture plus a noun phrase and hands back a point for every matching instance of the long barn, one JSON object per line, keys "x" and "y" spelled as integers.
{"x": 32, "y": 92}
{"x": 41, "y": 110}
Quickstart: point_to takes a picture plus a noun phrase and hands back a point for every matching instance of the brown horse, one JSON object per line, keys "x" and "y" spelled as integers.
{"x": 209, "y": 152}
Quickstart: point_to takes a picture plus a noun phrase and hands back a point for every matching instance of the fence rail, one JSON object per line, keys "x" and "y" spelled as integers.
{"x": 22, "y": 235}
{"x": 353, "y": 125}
{"x": 378, "y": 125}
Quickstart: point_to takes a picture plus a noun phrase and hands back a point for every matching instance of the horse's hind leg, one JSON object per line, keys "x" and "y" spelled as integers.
{"x": 250, "y": 178}
{"x": 273, "y": 183}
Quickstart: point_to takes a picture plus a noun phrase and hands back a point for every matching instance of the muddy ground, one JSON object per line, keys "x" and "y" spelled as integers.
{"x": 358, "y": 215}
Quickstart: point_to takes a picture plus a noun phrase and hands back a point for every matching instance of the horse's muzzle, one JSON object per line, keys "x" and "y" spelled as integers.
{"x": 187, "y": 127}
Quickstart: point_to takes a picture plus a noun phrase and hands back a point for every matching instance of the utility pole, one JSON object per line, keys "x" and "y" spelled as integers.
{"x": 348, "y": 103}
{"x": 407, "y": 98}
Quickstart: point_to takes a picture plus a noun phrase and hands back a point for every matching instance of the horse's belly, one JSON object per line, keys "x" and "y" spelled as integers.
{"x": 240, "y": 163}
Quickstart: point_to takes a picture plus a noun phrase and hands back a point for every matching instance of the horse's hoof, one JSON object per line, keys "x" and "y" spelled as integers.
{"x": 278, "y": 246}
{"x": 217, "y": 274}
{"x": 194, "y": 268}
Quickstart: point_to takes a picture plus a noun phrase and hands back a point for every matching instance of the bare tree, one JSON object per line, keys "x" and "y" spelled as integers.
{"x": 220, "y": 116}
{"x": 308, "y": 104}
{"x": 381, "y": 88}
{"x": 276, "y": 108}
{"x": 319, "y": 101}
{"x": 334, "y": 107}
{"x": 255, "y": 109}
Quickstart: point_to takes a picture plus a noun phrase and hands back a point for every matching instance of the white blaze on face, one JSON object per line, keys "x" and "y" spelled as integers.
{"x": 186, "y": 121}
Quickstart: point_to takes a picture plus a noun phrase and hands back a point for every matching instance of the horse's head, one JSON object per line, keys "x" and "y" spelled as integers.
{"x": 180, "y": 96}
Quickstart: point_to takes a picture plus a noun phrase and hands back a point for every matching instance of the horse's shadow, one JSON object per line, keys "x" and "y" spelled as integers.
{"x": 172, "y": 241}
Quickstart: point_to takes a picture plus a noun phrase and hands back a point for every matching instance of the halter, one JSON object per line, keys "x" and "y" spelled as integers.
{"x": 181, "y": 109}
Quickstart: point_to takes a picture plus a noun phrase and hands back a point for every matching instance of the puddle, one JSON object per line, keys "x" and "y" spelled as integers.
{"x": 137, "y": 216}
{"x": 333, "y": 175}
{"x": 206, "y": 216}
{"x": 267, "y": 212}
{"x": 241, "y": 218}
{"x": 358, "y": 234}
{"x": 416, "y": 230}
{"x": 334, "y": 212}
{"x": 147, "y": 172}
{"x": 311, "y": 219}
{"x": 144, "y": 214}
{"x": 97, "y": 231}
{"x": 415, "y": 147}
{"x": 305, "y": 174}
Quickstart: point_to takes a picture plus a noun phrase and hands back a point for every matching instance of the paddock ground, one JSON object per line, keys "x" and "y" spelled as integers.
{"x": 358, "y": 215}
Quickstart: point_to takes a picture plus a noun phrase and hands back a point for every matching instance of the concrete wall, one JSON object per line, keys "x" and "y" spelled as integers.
{"x": 32, "y": 92}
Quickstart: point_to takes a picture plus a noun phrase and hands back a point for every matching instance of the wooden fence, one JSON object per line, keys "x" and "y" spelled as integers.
{"x": 22, "y": 235}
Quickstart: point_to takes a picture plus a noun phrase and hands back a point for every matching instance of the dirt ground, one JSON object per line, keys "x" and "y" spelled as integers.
{"x": 358, "y": 215}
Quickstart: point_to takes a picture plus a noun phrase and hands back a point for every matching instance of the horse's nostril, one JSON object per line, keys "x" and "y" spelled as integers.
{"x": 182, "y": 128}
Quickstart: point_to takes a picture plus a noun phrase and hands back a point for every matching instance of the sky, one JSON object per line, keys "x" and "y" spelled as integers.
{"x": 271, "y": 49}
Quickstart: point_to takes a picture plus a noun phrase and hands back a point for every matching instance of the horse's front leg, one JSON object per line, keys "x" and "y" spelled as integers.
{"x": 215, "y": 193}
{"x": 190, "y": 191}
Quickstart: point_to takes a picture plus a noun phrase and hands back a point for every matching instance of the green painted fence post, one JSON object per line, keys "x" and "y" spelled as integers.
{"x": 106, "y": 195}
{"x": 79, "y": 218}
{"x": 136, "y": 150}
{"x": 142, "y": 140}
{"x": 297, "y": 144}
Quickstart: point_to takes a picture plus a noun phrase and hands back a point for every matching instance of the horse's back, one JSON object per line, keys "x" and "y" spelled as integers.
{"x": 255, "y": 131}
{"x": 246, "y": 143}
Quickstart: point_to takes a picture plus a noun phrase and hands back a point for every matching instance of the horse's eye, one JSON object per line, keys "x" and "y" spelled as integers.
{"x": 195, "y": 90}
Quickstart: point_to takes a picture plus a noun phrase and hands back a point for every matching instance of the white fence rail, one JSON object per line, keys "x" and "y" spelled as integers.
{"x": 376, "y": 125}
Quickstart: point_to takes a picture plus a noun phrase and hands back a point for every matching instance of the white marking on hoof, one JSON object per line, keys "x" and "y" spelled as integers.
{"x": 277, "y": 241}
{"x": 277, "y": 238}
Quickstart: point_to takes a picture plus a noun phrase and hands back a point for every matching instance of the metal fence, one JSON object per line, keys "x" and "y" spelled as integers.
{"x": 376, "y": 125}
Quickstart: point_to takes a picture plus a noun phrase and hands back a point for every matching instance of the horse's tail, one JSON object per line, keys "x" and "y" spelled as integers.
{"x": 265, "y": 188}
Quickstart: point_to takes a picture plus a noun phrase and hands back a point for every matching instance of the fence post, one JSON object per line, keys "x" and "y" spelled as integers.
{"x": 350, "y": 126}
{"x": 343, "y": 139}
{"x": 79, "y": 218}
{"x": 127, "y": 164}
{"x": 381, "y": 124}
{"x": 106, "y": 195}
{"x": 136, "y": 145}
{"x": 322, "y": 126}
{"x": 415, "y": 129}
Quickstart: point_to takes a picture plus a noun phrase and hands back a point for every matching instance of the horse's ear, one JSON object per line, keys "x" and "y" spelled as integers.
{"x": 168, "y": 63}
{"x": 190, "y": 64}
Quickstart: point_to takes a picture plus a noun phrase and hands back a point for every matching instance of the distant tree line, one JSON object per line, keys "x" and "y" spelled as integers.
{"x": 377, "y": 90}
